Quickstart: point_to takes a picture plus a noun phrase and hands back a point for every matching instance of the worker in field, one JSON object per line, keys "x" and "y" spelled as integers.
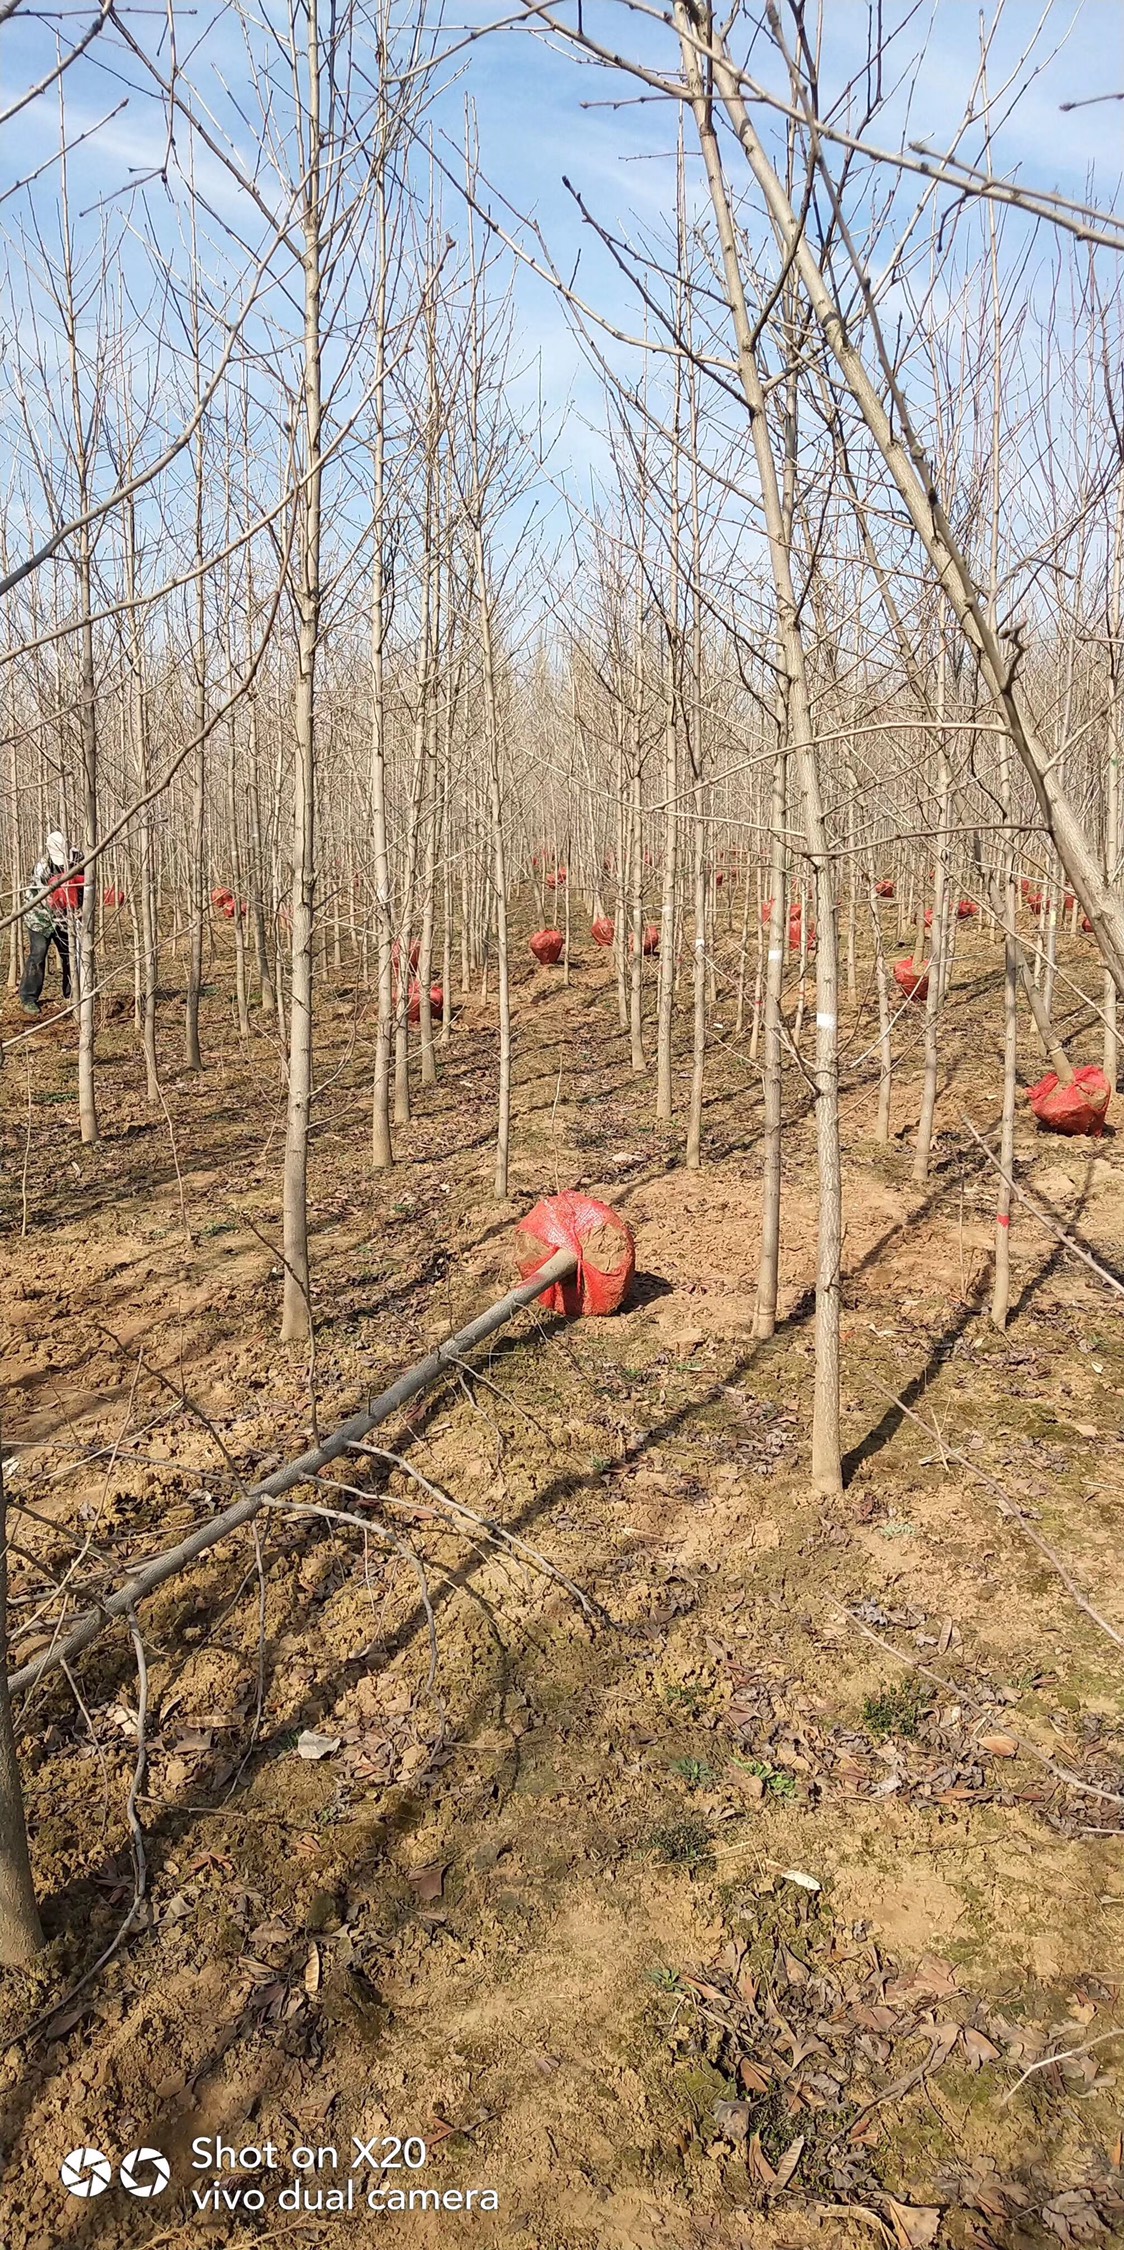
{"x": 52, "y": 896}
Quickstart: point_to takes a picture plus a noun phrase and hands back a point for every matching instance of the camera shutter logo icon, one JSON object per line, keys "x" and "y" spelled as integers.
{"x": 145, "y": 2172}
{"x": 85, "y": 2172}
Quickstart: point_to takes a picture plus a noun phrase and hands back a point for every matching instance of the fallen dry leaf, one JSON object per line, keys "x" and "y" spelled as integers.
{"x": 999, "y": 1745}
{"x": 977, "y": 2048}
{"x": 312, "y": 1745}
{"x": 753, "y": 2078}
{"x": 428, "y": 1882}
{"x": 931, "y": 1979}
{"x": 760, "y": 2170}
{"x": 915, "y": 2225}
{"x": 790, "y": 2160}
{"x": 312, "y": 1970}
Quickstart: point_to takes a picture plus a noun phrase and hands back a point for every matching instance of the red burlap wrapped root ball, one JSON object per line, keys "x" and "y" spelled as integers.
{"x": 1079, "y": 1108}
{"x": 546, "y": 945}
{"x": 603, "y": 930}
{"x": 604, "y": 1245}
{"x": 913, "y": 982}
{"x": 436, "y": 1001}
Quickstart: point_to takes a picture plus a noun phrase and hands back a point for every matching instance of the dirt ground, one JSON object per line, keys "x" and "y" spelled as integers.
{"x": 682, "y": 1860}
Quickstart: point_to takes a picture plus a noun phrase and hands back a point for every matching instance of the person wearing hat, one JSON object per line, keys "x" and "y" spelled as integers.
{"x": 53, "y": 894}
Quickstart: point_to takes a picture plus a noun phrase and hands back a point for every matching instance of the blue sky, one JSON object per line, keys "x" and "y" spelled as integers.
{"x": 535, "y": 124}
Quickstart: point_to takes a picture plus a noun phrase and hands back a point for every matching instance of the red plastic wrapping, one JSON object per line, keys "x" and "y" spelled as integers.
{"x": 396, "y": 954}
{"x": 602, "y": 931}
{"x": 913, "y": 982}
{"x": 554, "y": 882}
{"x": 1034, "y": 901}
{"x": 1086, "y": 925}
{"x": 546, "y": 945}
{"x": 967, "y": 910}
{"x": 436, "y": 1000}
{"x": 114, "y": 897}
{"x": 884, "y": 890}
{"x": 222, "y": 898}
{"x": 794, "y": 933}
{"x": 649, "y": 939}
{"x": 1079, "y": 1108}
{"x": 605, "y": 1249}
{"x": 767, "y": 913}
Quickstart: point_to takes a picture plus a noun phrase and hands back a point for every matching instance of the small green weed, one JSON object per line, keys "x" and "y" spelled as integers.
{"x": 777, "y": 1784}
{"x": 684, "y": 1843}
{"x": 895, "y": 1709}
{"x": 695, "y": 1771}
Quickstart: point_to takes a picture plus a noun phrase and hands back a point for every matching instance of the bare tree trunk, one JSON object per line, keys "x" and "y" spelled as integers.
{"x": 904, "y": 457}
{"x": 296, "y": 1313}
{"x": 935, "y": 994}
{"x": 666, "y": 984}
{"x": 144, "y": 903}
{"x": 826, "y": 1438}
{"x": 765, "y": 1314}
{"x": 196, "y": 870}
{"x": 21, "y": 1935}
{"x": 1113, "y": 807}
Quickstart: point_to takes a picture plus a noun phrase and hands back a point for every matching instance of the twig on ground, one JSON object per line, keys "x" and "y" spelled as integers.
{"x": 140, "y": 1863}
{"x": 303, "y": 1470}
{"x": 1014, "y": 1514}
{"x": 26, "y": 1153}
{"x": 1043, "y": 1217}
{"x": 136, "y": 1835}
{"x": 187, "y": 1233}
{"x": 1064, "y": 2054}
{"x": 961, "y": 1695}
{"x": 495, "y": 1530}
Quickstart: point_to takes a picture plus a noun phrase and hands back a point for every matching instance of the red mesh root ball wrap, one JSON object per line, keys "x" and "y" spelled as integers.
{"x": 436, "y": 1001}
{"x": 546, "y": 945}
{"x": 913, "y": 982}
{"x": 605, "y": 1249}
{"x": 1079, "y": 1108}
{"x": 602, "y": 930}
